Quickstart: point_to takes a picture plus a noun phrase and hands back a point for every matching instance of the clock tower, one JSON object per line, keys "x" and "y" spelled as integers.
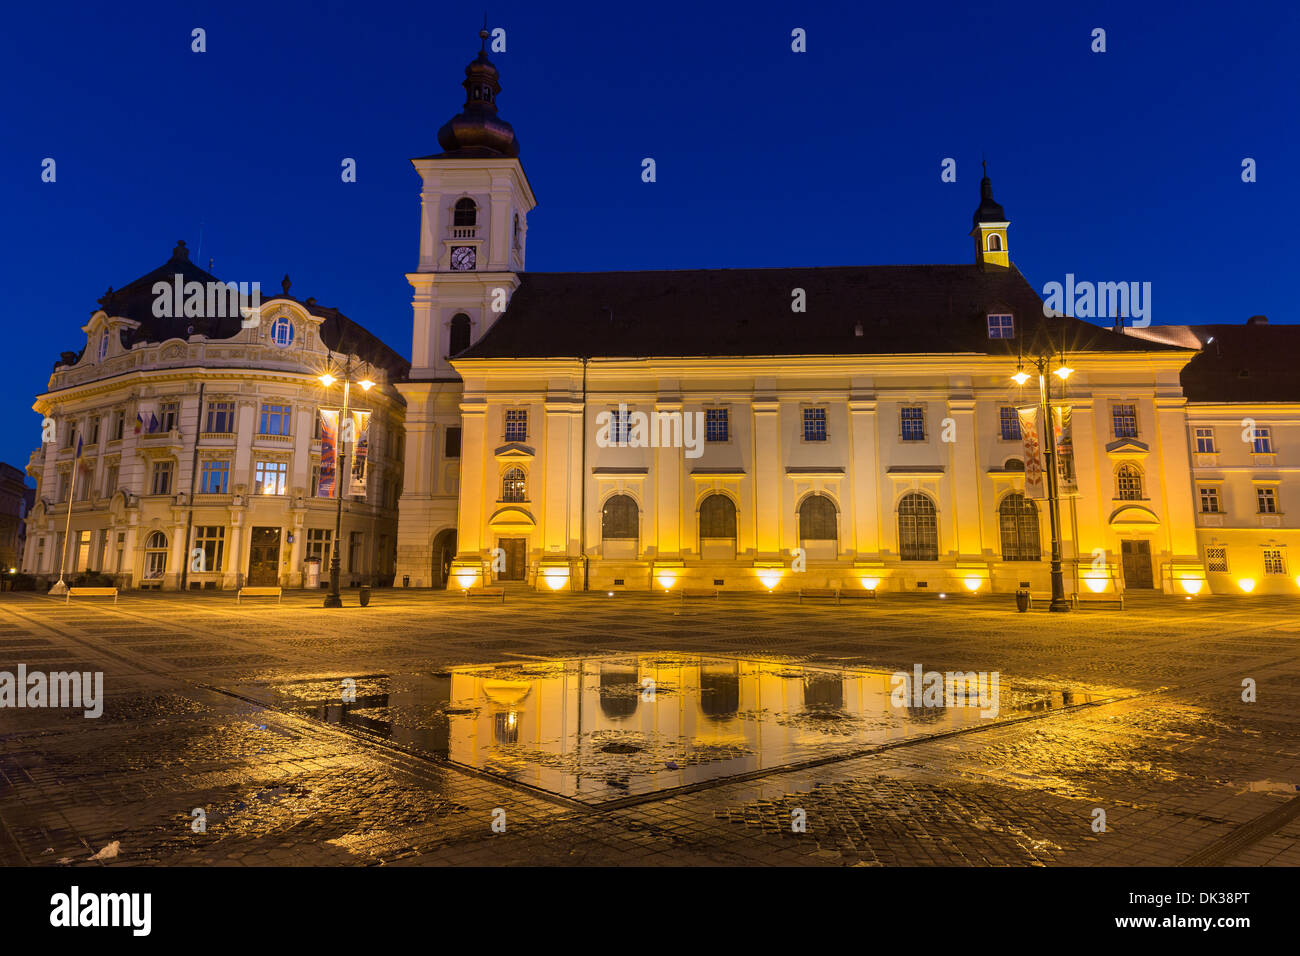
{"x": 474, "y": 206}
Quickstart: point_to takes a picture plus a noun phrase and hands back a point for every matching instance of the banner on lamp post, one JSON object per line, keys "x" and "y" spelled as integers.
{"x": 360, "y": 444}
{"x": 1067, "y": 482}
{"x": 329, "y": 440}
{"x": 1035, "y": 475}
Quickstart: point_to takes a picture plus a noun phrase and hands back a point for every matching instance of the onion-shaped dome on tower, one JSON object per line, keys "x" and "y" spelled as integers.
{"x": 477, "y": 131}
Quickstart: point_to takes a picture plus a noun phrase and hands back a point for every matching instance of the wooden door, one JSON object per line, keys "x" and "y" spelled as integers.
{"x": 264, "y": 558}
{"x": 1136, "y": 557}
{"x": 516, "y": 555}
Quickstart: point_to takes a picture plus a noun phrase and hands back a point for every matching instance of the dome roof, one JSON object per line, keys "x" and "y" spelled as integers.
{"x": 989, "y": 210}
{"x": 477, "y": 131}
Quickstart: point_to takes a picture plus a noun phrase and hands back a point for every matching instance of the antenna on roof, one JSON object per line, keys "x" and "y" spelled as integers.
{"x": 200, "y": 256}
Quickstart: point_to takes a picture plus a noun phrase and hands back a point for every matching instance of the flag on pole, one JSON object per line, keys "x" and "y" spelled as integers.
{"x": 153, "y": 423}
{"x": 139, "y": 422}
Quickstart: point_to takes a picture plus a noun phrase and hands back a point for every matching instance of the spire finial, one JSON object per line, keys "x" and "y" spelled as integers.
{"x": 483, "y": 35}
{"x": 984, "y": 162}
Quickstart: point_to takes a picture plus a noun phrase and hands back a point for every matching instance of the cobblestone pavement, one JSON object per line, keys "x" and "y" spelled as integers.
{"x": 1184, "y": 770}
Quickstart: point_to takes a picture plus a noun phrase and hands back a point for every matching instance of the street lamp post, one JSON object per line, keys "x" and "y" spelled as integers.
{"x": 1059, "y": 603}
{"x": 334, "y": 598}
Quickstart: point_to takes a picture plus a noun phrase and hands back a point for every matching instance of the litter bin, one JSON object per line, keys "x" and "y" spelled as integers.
{"x": 406, "y": 580}
{"x": 365, "y": 596}
{"x": 311, "y": 573}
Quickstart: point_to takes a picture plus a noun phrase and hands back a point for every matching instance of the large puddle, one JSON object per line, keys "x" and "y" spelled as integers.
{"x": 604, "y": 728}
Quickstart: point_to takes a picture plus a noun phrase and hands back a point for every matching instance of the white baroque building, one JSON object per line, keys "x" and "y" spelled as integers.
{"x": 202, "y": 434}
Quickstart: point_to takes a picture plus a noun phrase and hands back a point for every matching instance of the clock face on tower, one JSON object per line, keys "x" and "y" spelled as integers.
{"x": 462, "y": 258}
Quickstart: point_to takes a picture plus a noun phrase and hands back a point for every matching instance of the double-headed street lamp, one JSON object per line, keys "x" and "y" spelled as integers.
{"x": 1059, "y": 603}
{"x": 334, "y": 599}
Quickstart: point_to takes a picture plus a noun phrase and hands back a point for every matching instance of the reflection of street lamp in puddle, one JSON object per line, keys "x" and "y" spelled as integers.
{"x": 505, "y": 727}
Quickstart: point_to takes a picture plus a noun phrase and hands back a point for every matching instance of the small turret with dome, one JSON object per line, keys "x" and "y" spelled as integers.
{"x": 989, "y": 229}
{"x": 477, "y": 131}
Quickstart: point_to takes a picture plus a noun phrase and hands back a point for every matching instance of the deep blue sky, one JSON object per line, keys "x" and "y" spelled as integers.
{"x": 1117, "y": 166}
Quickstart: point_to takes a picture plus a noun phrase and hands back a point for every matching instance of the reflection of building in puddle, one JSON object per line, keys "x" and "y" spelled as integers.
{"x": 619, "y": 689}
{"x": 720, "y": 690}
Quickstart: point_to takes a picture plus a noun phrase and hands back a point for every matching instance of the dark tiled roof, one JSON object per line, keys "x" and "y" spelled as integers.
{"x": 136, "y": 299}
{"x": 1244, "y": 363}
{"x": 736, "y": 312}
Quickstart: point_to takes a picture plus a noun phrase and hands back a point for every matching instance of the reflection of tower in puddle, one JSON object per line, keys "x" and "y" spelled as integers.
{"x": 618, "y": 689}
{"x": 823, "y": 694}
{"x": 935, "y": 711}
{"x": 720, "y": 690}
{"x": 506, "y": 697}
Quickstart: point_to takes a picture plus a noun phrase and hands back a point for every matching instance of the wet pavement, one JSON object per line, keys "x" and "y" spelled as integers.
{"x": 638, "y": 730}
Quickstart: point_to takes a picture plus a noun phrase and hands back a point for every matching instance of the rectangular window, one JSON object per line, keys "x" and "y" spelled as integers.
{"x": 912, "y": 422}
{"x": 170, "y": 415}
{"x": 1209, "y": 500}
{"x": 274, "y": 420}
{"x": 70, "y": 436}
{"x": 315, "y": 480}
{"x": 1267, "y": 498}
{"x": 1205, "y": 441}
{"x": 1263, "y": 444}
{"x": 717, "y": 424}
{"x": 318, "y": 545}
{"x": 354, "y": 552}
{"x": 162, "y": 478}
{"x": 1002, "y": 327}
{"x": 451, "y": 445}
{"x": 1009, "y": 419}
{"x": 620, "y": 426}
{"x": 110, "y": 480}
{"x": 221, "y": 418}
{"x": 1216, "y": 559}
{"x": 214, "y": 478}
{"x": 814, "y": 424}
{"x": 211, "y": 540}
{"x": 270, "y": 476}
{"x": 119, "y": 425}
{"x": 1124, "y": 419}
{"x": 63, "y": 485}
{"x": 92, "y": 436}
{"x": 516, "y": 424}
{"x": 1274, "y": 563}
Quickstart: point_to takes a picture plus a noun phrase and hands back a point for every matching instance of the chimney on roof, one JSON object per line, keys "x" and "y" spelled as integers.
{"x": 1257, "y": 320}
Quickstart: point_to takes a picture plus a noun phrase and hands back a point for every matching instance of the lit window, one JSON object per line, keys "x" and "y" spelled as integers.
{"x": 814, "y": 424}
{"x": 1010, "y": 422}
{"x": 211, "y": 540}
{"x": 516, "y": 424}
{"x": 1209, "y": 500}
{"x": 514, "y": 485}
{"x": 912, "y": 422}
{"x": 1002, "y": 326}
{"x": 1124, "y": 420}
{"x": 282, "y": 332}
{"x": 716, "y": 424}
{"x": 1267, "y": 498}
{"x": 1274, "y": 563}
{"x": 270, "y": 477}
{"x": 1205, "y": 441}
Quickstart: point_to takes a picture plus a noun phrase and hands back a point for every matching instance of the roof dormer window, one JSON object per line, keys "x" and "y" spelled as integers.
{"x": 1002, "y": 326}
{"x": 103, "y": 346}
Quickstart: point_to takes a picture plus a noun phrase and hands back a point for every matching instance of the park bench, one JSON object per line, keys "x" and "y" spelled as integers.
{"x": 90, "y": 592}
{"x": 486, "y": 593}
{"x": 1114, "y": 601}
{"x": 856, "y": 594}
{"x": 267, "y": 591}
{"x": 850, "y": 594}
{"x": 699, "y": 593}
{"x": 151, "y": 584}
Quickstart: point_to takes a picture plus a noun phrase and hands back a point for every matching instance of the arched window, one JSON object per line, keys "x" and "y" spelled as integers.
{"x": 518, "y": 232}
{"x": 1018, "y": 520}
{"x": 282, "y": 332}
{"x": 918, "y": 528}
{"x": 459, "y": 334}
{"x": 103, "y": 346}
{"x": 995, "y": 242}
{"x": 817, "y": 519}
{"x": 155, "y": 555}
{"x": 1128, "y": 482}
{"x": 717, "y": 517}
{"x": 620, "y": 518}
{"x": 514, "y": 485}
{"x": 466, "y": 213}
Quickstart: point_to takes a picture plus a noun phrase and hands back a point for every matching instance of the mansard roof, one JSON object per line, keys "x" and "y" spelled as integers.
{"x": 135, "y": 301}
{"x": 747, "y": 312}
{"x": 1255, "y": 362}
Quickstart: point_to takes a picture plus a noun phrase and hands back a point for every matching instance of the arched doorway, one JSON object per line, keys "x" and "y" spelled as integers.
{"x": 444, "y": 551}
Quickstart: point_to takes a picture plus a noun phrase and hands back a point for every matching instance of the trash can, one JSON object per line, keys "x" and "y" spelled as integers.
{"x": 365, "y": 595}
{"x": 1022, "y": 600}
{"x": 311, "y": 573}
{"x": 406, "y": 580}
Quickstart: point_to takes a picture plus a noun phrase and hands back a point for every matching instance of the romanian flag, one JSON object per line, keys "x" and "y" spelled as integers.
{"x": 139, "y": 423}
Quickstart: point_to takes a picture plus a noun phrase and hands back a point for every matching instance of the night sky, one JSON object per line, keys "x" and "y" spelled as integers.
{"x": 1122, "y": 166}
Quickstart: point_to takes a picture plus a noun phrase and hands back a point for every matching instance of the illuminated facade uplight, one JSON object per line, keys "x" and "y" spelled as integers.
{"x": 870, "y": 583}
{"x": 1192, "y": 585}
{"x": 666, "y": 581}
{"x": 1246, "y": 584}
{"x": 1095, "y": 585}
{"x": 973, "y": 584}
{"x": 770, "y": 578}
